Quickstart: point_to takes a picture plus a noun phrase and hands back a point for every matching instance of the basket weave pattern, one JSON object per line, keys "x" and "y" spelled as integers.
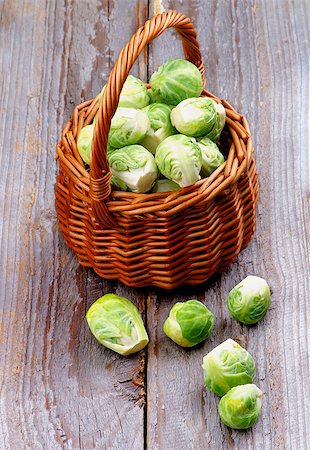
{"x": 163, "y": 239}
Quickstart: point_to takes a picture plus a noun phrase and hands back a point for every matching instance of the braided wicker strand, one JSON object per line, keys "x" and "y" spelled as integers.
{"x": 164, "y": 239}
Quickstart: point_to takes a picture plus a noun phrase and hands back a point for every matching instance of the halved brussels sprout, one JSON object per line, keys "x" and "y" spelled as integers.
{"x": 134, "y": 167}
{"x": 117, "y": 324}
{"x": 226, "y": 366}
{"x": 179, "y": 158}
{"x": 84, "y": 142}
{"x": 174, "y": 81}
{"x": 212, "y": 158}
{"x": 194, "y": 116}
{"x": 128, "y": 126}
{"x": 189, "y": 323}
{"x": 165, "y": 186}
{"x": 241, "y": 407}
{"x": 249, "y": 301}
{"x": 160, "y": 125}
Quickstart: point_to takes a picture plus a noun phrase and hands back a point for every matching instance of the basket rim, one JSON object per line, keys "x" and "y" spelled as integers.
{"x": 170, "y": 202}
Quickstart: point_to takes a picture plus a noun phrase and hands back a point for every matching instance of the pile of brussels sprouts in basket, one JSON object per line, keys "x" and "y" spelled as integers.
{"x": 163, "y": 138}
{"x": 229, "y": 369}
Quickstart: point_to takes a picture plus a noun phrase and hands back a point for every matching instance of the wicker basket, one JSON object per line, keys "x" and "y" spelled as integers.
{"x": 162, "y": 239}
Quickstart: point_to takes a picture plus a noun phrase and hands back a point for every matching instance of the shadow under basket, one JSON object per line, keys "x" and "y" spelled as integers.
{"x": 164, "y": 239}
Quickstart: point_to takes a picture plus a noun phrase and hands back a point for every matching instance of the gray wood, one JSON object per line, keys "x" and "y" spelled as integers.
{"x": 59, "y": 388}
{"x": 256, "y": 55}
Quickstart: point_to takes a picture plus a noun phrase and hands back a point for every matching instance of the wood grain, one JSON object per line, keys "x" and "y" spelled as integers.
{"x": 59, "y": 388}
{"x": 256, "y": 56}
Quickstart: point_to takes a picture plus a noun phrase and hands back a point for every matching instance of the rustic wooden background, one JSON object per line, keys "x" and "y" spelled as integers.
{"x": 59, "y": 388}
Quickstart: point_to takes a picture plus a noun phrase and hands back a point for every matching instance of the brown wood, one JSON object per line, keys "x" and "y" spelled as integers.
{"x": 59, "y": 388}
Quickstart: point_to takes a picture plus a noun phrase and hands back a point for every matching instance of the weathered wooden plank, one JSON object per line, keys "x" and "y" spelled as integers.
{"x": 59, "y": 387}
{"x": 256, "y": 56}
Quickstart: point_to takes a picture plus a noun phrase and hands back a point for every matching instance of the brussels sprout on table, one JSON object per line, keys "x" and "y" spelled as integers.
{"x": 174, "y": 81}
{"x": 84, "y": 142}
{"x": 189, "y": 323}
{"x": 135, "y": 167}
{"x": 196, "y": 117}
{"x": 212, "y": 158}
{"x": 241, "y": 407}
{"x": 226, "y": 366}
{"x": 165, "y": 186}
{"x": 128, "y": 126}
{"x": 117, "y": 324}
{"x": 160, "y": 125}
{"x": 249, "y": 301}
{"x": 179, "y": 158}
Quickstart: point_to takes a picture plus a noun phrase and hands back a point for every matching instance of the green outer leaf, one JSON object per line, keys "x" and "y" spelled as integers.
{"x": 249, "y": 301}
{"x": 172, "y": 329}
{"x": 178, "y": 158}
{"x": 134, "y": 166}
{"x": 212, "y": 158}
{"x": 117, "y": 324}
{"x": 84, "y": 142}
{"x": 134, "y": 94}
{"x": 241, "y": 407}
{"x": 194, "y": 116}
{"x": 160, "y": 125}
{"x": 226, "y": 366}
{"x": 129, "y": 157}
{"x": 195, "y": 320}
{"x": 128, "y": 127}
{"x": 165, "y": 186}
{"x": 117, "y": 182}
{"x": 174, "y": 81}
{"x": 219, "y": 123}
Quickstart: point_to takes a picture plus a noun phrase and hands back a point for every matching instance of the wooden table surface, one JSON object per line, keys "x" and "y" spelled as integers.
{"x": 59, "y": 388}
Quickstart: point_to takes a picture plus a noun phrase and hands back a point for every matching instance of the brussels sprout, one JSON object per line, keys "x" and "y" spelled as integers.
{"x": 117, "y": 324}
{"x": 189, "y": 323}
{"x": 241, "y": 407}
{"x": 128, "y": 126}
{"x": 133, "y": 94}
{"x": 110, "y": 149}
{"x": 219, "y": 124}
{"x": 194, "y": 116}
{"x": 227, "y": 366}
{"x": 161, "y": 127}
{"x": 84, "y": 142}
{"x": 174, "y": 81}
{"x": 152, "y": 96}
{"x": 249, "y": 301}
{"x": 115, "y": 181}
{"x": 135, "y": 167}
{"x": 212, "y": 158}
{"x": 165, "y": 186}
{"x": 179, "y": 158}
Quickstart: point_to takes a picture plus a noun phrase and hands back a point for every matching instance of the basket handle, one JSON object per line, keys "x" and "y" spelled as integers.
{"x": 100, "y": 174}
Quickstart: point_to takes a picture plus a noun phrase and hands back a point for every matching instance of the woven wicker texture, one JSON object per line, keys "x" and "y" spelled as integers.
{"x": 162, "y": 239}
